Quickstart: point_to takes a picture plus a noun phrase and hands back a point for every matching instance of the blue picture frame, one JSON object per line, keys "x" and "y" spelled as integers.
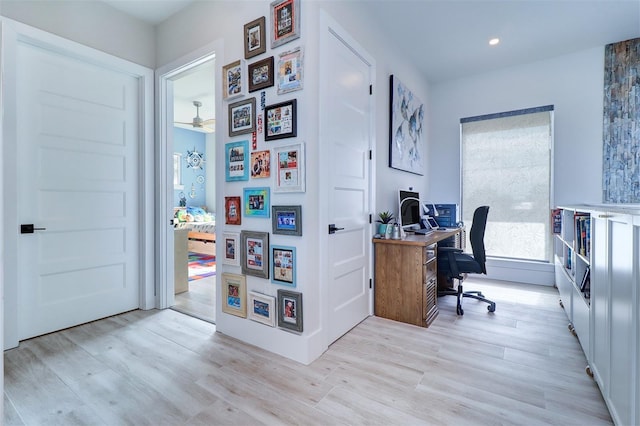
{"x": 283, "y": 265}
{"x": 257, "y": 202}
{"x": 236, "y": 161}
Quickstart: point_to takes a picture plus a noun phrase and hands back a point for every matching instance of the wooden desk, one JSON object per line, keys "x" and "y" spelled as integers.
{"x": 406, "y": 285}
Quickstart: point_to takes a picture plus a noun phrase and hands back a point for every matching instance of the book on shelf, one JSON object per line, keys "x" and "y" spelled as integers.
{"x": 583, "y": 233}
{"x": 585, "y": 285}
{"x": 556, "y": 220}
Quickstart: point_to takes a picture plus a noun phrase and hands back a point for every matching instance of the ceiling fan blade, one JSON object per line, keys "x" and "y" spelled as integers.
{"x": 209, "y": 121}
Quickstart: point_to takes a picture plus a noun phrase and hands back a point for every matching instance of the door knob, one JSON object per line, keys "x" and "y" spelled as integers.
{"x": 333, "y": 228}
{"x": 29, "y": 228}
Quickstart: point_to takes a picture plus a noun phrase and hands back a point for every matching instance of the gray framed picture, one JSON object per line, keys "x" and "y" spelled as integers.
{"x": 285, "y": 21}
{"x": 290, "y": 310}
{"x": 286, "y": 220}
{"x": 254, "y": 253}
{"x": 242, "y": 117}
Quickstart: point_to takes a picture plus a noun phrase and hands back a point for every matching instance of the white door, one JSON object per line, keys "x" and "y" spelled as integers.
{"x": 77, "y": 152}
{"x": 346, "y": 127}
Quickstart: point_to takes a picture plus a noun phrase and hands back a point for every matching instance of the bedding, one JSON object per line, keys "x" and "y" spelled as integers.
{"x": 201, "y": 225}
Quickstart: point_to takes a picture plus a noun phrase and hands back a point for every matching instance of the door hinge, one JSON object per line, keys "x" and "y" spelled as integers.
{"x": 370, "y": 218}
{"x": 371, "y": 89}
{"x": 370, "y": 283}
{"x": 370, "y": 154}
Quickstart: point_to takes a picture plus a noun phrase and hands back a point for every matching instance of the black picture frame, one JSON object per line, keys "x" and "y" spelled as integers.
{"x": 280, "y": 120}
{"x": 290, "y": 310}
{"x": 255, "y": 40}
{"x": 260, "y": 74}
{"x": 286, "y": 220}
{"x": 242, "y": 117}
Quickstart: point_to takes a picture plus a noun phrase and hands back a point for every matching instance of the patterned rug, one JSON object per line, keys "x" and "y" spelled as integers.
{"x": 201, "y": 266}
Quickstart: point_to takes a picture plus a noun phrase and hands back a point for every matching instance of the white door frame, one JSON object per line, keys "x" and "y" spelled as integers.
{"x": 165, "y": 297}
{"x": 13, "y": 32}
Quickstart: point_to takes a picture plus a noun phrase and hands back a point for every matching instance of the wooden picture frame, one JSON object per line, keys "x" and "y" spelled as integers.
{"x": 286, "y": 220}
{"x": 280, "y": 120}
{"x": 262, "y": 308}
{"x": 257, "y": 202}
{"x": 290, "y": 170}
{"x": 407, "y": 148}
{"x": 255, "y": 38}
{"x": 290, "y": 310}
{"x": 234, "y": 290}
{"x": 283, "y": 265}
{"x": 290, "y": 71}
{"x": 231, "y": 244}
{"x": 260, "y": 164}
{"x": 242, "y": 117}
{"x": 260, "y": 74}
{"x": 285, "y": 21}
{"x": 254, "y": 253}
{"x": 234, "y": 80}
{"x": 236, "y": 161}
{"x": 232, "y": 211}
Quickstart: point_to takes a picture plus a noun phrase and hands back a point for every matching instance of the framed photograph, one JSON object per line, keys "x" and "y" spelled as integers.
{"x": 232, "y": 211}
{"x": 261, "y": 164}
{"x": 280, "y": 121}
{"x": 231, "y": 248}
{"x": 285, "y": 21}
{"x": 255, "y": 38}
{"x": 236, "y": 161}
{"x": 261, "y": 74}
{"x": 406, "y": 134}
{"x": 242, "y": 117}
{"x": 286, "y": 220}
{"x": 290, "y": 310}
{"x": 254, "y": 253}
{"x": 283, "y": 265}
{"x": 234, "y": 290}
{"x": 233, "y": 80}
{"x": 257, "y": 202}
{"x": 290, "y": 67}
{"x": 290, "y": 173}
{"x": 262, "y": 308}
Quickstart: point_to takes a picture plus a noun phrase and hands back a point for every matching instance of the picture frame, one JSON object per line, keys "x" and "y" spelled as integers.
{"x": 260, "y": 164}
{"x": 234, "y": 289}
{"x": 281, "y": 120}
{"x": 254, "y": 253}
{"x": 290, "y": 310}
{"x": 233, "y": 80}
{"x": 231, "y": 241}
{"x": 260, "y": 74}
{"x": 236, "y": 161}
{"x": 289, "y": 168}
{"x": 290, "y": 71}
{"x": 255, "y": 38}
{"x": 406, "y": 134}
{"x": 283, "y": 265}
{"x": 262, "y": 308}
{"x": 285, "y": 21}
{"x": 242, "y": 117}
{"x": 257, "y": 202}
{"x": 286, "y": 220}
{"x": 232, "y": 211}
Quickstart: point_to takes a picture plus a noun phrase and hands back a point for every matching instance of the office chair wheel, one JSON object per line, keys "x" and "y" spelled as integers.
{"x": 491, "y": 307}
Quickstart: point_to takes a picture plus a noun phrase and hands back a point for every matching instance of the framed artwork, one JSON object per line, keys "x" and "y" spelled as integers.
{"x": 280, "y": 120}
{"x": 234, "y": 289}
{"x": 290, "y": 67}
{"x": 257, "y": 202}
{"x": 232, "y": 211}
{"x": 261, "y": 164}
{"x": 290, "y": 174}
{"x": 290, "y": 310}
{"x": 285, "y": 21}
{"x": 233, "y": 80}
{"x": 261, "y": 74}
{"x": 406, "y": 136}
{"x": 286, "y": 220}
{"x": 236, "y": 161}
{"x": 262, "y": 308}
{"x": 242, "y": 117}
{"x": 254, "y": 38}
{"x": 254, "y": 253}
{"x": 231, "y": 248}
{"x": 283, "y": 265}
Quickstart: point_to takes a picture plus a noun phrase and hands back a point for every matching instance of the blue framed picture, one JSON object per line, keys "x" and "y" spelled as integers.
{"x": 283, "y": 265}
{"x": 236, "y": 160}
{"x": 257, "y": 202}
{"x": 286, "y": 220}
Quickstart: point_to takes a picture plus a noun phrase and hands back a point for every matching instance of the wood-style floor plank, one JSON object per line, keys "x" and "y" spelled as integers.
{"x": 517, "y": 366}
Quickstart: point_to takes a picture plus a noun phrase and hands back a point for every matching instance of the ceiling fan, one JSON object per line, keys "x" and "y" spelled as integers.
{"x": 198, "y": 123}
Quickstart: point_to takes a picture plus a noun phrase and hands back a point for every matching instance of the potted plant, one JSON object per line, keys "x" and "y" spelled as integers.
{"x": 384, "y": 219}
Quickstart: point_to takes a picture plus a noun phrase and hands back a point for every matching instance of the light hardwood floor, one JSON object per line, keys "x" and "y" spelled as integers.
{"x": 517, "y": 366}
{"x": 200, "y": 300}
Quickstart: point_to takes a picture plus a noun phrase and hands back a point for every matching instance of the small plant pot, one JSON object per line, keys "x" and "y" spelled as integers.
{"x": 382, "y": 229}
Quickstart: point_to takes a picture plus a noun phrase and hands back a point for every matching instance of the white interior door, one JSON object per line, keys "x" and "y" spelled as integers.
{"x": 78, "y": 148}
{"x": 347, "y": 135}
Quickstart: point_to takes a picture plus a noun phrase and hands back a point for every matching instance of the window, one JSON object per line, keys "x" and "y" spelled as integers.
{"x": 506, "y": 164}
{"x": 177, "y": 171}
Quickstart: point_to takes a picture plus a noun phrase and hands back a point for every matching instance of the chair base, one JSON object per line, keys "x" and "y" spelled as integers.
{"x": 460, "y": 294}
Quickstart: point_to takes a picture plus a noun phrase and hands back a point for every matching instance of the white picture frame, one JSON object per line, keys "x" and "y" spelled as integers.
{"x": 231, "y": 253}
{"x": 289, "y": 168}
{"x": 262, "y": 308}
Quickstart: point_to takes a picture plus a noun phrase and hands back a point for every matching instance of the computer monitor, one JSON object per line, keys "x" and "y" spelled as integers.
{"x": 410, "y": 209}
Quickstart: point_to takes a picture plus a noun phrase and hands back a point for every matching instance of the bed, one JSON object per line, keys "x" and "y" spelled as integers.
{"x": 202, "y": 228}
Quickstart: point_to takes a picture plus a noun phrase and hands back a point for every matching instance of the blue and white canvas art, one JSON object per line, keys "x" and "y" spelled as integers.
{"x": 406, "y": 144}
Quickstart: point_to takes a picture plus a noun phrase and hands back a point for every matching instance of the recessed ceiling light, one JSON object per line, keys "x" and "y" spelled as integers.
{"x": 494, "y": 41}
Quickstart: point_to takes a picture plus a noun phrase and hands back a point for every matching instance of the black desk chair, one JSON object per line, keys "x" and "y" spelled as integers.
{"x": 452, "y": 262}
